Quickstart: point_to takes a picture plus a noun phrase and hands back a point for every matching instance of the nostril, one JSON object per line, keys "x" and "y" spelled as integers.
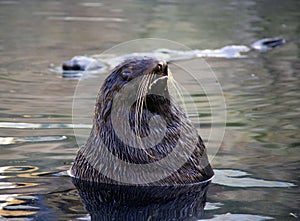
{"x": 67, "y": 65}
{"x": 159, "y": 67}
{"x": 166, "y": 70}
{"x": 162, "y": 68}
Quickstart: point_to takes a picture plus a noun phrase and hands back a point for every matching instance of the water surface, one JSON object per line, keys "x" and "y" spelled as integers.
{"x": 257, "y": 165}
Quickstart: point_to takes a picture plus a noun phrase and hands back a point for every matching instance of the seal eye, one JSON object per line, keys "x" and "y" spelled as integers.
{"x": 126, "y": 75}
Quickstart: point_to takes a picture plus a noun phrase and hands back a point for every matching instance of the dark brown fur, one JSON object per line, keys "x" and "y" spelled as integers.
{"x": 195, "y": 169}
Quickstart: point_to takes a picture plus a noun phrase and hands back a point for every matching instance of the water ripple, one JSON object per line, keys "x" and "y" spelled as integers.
{"x": 10, "y": 206}
{"x": 234, "y": 178}
{"x": 91, "y": 4}
{"x": 87, "y": 19}
{"x": 242, "y": 217}
{"x": 42, "y": 126}
{"x": 13, "y": 140}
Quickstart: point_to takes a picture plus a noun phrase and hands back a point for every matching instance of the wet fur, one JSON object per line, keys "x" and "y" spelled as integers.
{"x": 196, "y": 168}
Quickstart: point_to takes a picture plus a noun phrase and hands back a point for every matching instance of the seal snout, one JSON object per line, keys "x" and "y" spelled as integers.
{"x": 71, "y": 66}
{"x": 162, "y": 68}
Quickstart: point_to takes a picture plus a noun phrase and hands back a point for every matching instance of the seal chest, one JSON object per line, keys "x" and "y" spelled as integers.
{"x": 140, "y": 135}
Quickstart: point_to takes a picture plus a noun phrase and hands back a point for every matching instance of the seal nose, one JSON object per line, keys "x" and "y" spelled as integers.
{"x": 163, "y": 66}
{"x": 71, "y": 66}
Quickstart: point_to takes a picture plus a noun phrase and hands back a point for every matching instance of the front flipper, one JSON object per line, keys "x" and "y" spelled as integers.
{"x": 267, "y": 44}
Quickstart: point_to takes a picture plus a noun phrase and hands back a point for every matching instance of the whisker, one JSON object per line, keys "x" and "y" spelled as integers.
{"x": 142, "y": 92}
{"x": 178, "y": 91}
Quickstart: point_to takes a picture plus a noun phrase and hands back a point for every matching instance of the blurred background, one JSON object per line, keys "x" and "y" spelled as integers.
{"x": 261, "y": 93}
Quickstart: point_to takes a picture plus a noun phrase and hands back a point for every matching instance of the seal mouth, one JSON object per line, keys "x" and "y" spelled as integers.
{"x": 158, "y": 82}
{"x": 160, "y": 77}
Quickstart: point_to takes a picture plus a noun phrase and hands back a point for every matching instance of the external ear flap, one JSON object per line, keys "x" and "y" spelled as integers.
{"x": 126, "y": 75}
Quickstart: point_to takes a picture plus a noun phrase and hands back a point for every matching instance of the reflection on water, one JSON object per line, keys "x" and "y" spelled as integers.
{"x": 17, "y": 206}
{"x": 108, "y": 201}
{"x": 13, "y": 140}
{"x": 112, "y": 202}
{"x": 235, "y": 178}
{"x": 42, "y": 126}
{"x": 233, "y": 217}
{"x": 20, "y": 199}
{"x": 260, "y": 149}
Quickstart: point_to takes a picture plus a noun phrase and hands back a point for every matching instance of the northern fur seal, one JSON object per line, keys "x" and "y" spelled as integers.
{"x": 123, "y": 121}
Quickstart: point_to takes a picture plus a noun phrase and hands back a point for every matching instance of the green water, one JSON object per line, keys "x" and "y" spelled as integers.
{"x": 261, "y": 94}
